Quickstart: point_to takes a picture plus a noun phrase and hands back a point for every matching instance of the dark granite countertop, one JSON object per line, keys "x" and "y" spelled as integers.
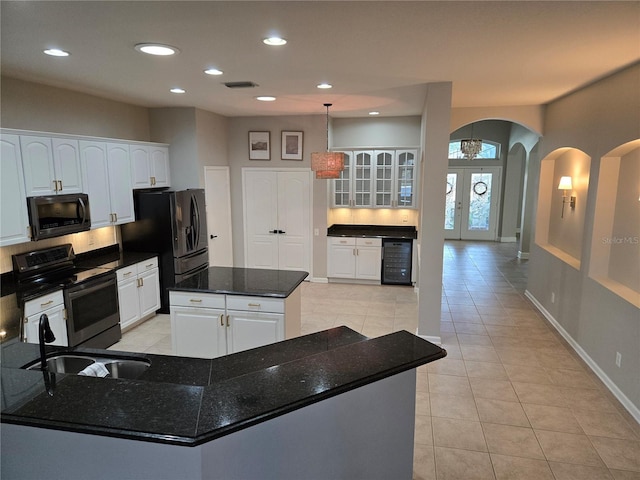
{"x": 189, "y": 401}
{"x": 379, "y": 231}
{"x": 243, "y": 281}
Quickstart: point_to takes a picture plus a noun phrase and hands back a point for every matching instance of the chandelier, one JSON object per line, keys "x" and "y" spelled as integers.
{"x": 470, "y": 147}
{"x": 327, "y": 164}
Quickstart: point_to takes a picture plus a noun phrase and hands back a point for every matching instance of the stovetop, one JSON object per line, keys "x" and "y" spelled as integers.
{"x": 49, "y": 269}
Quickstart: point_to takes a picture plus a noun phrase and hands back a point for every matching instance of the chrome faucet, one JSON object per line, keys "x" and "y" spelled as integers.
{"x": 45, "y": 335}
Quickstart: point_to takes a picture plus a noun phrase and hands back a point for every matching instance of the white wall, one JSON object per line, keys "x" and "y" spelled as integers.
{"x": 33, "y": 106}
{"x": 599, "y": 323}
{"x": 314, "y": 140}
{"x": 197, "y": 139}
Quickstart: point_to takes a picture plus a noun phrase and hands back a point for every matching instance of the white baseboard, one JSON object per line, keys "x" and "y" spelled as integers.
{"x": 613, "y": 388}
{"x": 523, "y": 255}
{"x": 508, "y": 239}
{"x": 318, "y": 280}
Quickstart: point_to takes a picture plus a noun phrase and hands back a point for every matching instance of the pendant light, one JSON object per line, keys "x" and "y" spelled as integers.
{"x": 327, "y": 164}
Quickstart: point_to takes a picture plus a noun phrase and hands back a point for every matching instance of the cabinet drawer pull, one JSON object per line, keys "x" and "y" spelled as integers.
{"x": 46, "y": 303}
{"x": 149, "y": 265}
{"x": 222, "y": 320}
{"x": 343, "y": 241}
{"x": 195, "y": 300}
{"x": 254, "y": 305}
{"x": 125, "y": 274}
{"x": 227, "y": 320}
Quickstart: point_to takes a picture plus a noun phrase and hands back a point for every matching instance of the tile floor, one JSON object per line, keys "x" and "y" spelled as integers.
{"x": 510, "y": 401}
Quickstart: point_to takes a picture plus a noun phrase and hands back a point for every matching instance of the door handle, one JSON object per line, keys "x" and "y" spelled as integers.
{"x": 213, "y": 236}
{"x": 273, "y": 231}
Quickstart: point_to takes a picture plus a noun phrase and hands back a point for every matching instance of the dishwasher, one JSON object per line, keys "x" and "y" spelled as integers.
{"x": 396, "y": 261}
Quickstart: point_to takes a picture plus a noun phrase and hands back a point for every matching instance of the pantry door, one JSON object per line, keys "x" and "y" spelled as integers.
{"x": 218, "y": 203}
{"x": 471, "y": 205}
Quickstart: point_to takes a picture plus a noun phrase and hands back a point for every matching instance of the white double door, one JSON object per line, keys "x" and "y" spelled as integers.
{"x": 471, "y": 205}
{"x": 277, "y": 219}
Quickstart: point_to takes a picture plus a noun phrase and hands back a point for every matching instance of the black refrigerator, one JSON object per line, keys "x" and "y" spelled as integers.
{"x": 172, "y": 225}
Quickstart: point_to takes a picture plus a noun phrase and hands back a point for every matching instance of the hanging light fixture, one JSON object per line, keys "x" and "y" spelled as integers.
{"x": 470, "y": 147}
{"x": 327, "y": 164}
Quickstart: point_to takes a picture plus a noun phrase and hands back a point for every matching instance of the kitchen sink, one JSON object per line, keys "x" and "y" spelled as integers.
{"x": 73, "y": 364}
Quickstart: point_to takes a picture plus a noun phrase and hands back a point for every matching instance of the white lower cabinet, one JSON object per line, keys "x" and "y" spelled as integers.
{"x": 253, "y": 322}
{"x": 209, "y": 325}
{"x": 355, "y": 258}
{"x": 138, "y": 291}
{"x": 52, "y": 305}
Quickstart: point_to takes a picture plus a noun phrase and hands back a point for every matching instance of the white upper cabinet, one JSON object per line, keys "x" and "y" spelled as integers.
{"x": 149, "y": 166}
{"x": 14, "y": 220}
{"x": 106, "y": 174}
{"x": 377, "y": 178}
{"x": 51, "y": 165}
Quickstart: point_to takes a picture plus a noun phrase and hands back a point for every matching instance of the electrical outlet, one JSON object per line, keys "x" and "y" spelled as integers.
{"x": 316, "y": 232}
{"x": 553, "y": 297}
{"x": 618, "y": 359}
{"x": 405, "y": 218}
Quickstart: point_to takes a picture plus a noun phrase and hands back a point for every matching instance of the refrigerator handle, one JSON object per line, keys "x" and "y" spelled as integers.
{"x": 195, "y": 220}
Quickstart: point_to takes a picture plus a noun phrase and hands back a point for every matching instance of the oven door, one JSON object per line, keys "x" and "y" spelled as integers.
{"x": 92, "y": 308}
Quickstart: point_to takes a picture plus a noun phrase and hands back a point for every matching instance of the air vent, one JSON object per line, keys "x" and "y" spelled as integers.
{"x": 241, "y": 84}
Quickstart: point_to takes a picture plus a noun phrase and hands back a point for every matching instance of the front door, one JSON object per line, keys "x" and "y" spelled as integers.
{"x": 471, "y": 206}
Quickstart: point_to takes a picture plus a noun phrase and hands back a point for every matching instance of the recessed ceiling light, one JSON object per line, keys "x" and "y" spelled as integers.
{"x": 156, "y": 49}
{"x": 374, "y": 113}
{"x": 213, "y": 71}
{"x": 56, "y": 52}
{"x": 178, "y": 90}
{"x": 274, "y": 41}
{"x": 266, "y": 98}
{"x": 325, "y": 85}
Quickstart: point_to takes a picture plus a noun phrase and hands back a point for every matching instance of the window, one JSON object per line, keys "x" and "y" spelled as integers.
{"x": 490, "y": 150}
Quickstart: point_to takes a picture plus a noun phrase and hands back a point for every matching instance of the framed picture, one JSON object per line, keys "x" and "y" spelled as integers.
{"x": 259, "y": 146}
{"x": 291, "y": 145}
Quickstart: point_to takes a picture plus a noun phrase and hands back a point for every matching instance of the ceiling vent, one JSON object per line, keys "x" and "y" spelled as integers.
{"x": 240, "y": 84}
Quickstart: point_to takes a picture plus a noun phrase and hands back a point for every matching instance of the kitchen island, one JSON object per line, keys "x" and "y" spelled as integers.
{"x": 332, "y": 404}
{"x": 223, "y": 310}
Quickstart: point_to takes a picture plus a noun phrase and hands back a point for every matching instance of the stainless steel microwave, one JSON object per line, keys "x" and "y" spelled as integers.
{"x": 56, "y": 215}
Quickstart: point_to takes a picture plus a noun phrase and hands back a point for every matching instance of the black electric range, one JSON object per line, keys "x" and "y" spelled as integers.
{"x": 90, "y": 294}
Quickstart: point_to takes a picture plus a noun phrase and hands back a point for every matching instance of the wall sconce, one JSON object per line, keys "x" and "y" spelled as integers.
{"x": 566, "y": 184}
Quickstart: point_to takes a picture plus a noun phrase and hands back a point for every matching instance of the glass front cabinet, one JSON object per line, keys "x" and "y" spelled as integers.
{"x": 377, "y": 179}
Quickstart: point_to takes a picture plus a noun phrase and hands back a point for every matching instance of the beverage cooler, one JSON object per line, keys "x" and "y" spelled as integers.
{"x": 396, "y": 261}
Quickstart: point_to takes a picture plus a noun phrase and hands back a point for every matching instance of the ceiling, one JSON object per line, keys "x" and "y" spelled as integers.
{"x": 377, "y": 55}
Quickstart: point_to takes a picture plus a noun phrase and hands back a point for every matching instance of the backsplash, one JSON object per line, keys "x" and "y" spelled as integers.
{"x": 373, "y": 216}
{"x": 82, "y": 242}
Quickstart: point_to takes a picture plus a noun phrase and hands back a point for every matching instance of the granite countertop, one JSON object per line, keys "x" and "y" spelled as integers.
{"x": 243, "y": 281}
{"x": 189, "y": 401}
{"x": 379, "y": 231}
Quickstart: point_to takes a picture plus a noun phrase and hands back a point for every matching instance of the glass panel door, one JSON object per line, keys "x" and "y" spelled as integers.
{"x": 384, "y": 184}
{"x": 406, "y": 179}
{"x": 363, "y": 183}
{"x": 342, "y": 185}
{"x": 472, "y": 203}
{"x": 453, "y": 204}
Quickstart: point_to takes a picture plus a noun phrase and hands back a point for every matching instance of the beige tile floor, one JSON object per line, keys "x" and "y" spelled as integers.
{"x": 510, "y": 401}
